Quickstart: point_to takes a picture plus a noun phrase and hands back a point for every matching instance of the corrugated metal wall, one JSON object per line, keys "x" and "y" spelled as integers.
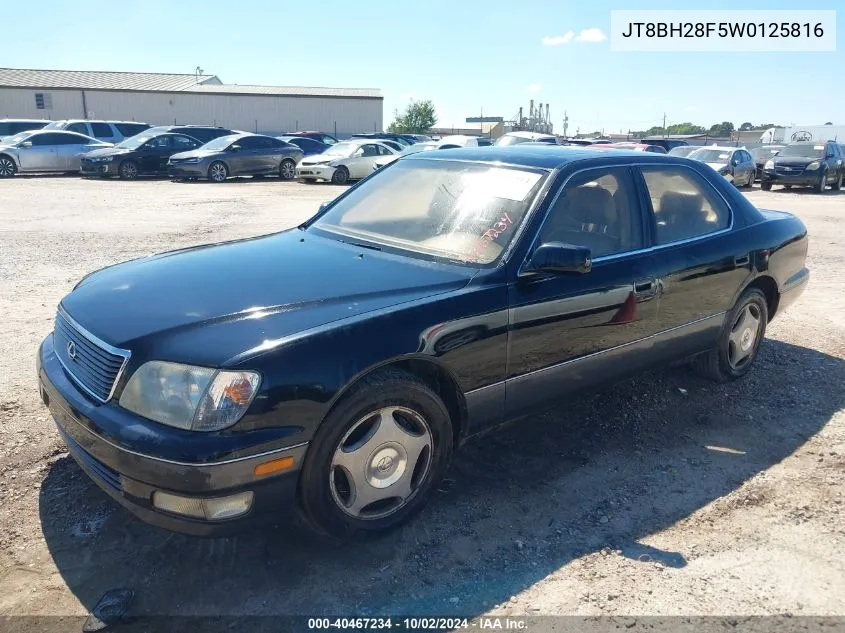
{"x": 265, "y": 114}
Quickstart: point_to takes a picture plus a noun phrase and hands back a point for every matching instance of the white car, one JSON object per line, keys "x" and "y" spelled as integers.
{"x": 462, "y": 140}
{"x": 344, "y": 161}
{"x": 734, "y": 163}
{"x": 45, "y": 151}
{"x": 514, "y": 138}
{"x": 419, "y": 147}
{"x": 107, "y": 131}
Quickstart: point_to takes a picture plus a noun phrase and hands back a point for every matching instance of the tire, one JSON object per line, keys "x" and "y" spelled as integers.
{"x": 7, "y": 167}
{"x": 340, "y": 176}
{"x": 739, "y": 341}
{"x": 218, "y": 172}
{"x": 287, "y": 169}
{"x": 364, "y": 434}
{"x": 128, "y": 170}
{"x": 750, "y": 182}
{"x": 838, "y": 184}
{"x": 821, "y": 184}
{"x": 765, "y": 186}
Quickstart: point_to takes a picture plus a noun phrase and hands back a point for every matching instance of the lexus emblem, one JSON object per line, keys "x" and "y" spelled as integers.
{"x": 71, "y": 350}
{"x": 384, "y": 464}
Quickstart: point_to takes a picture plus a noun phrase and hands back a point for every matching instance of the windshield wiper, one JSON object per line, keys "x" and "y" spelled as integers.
{"x": 370, "y": 246}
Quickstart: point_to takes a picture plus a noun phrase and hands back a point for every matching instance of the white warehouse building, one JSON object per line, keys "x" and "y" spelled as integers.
{"x": 171, "y": 99}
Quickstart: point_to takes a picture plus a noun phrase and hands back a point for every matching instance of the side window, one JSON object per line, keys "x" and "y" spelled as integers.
{"x": 51, "y": 138}
{"x": 370, "y": 150}
{"x": 183, "y": 142}
{"x": 102, "y": 130}
{"x": 383, "y": 151}
{"x": 683, "y": 207}
{"x": 250, "y": 142}
{"x": 130, "y": 129}
{"x": 80, "y": 128}
{"x": 328, "y": 140}
{"x": 159, "y": 142}
{"x": 597, "y": 209}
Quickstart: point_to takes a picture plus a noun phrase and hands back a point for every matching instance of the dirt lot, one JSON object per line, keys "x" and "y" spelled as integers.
{"x": 666, "y": 494}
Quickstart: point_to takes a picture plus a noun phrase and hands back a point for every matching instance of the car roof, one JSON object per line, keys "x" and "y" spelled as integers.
{"x": 722, "y": 148}
{"x": 545, "y": 157}
{"x": 365, "y": 141}
{"x": 530, "y": 135}
{"x": 95, "y": 121}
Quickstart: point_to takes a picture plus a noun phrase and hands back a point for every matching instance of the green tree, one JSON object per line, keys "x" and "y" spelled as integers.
{"x": 725, "y": 128}
{"x": 745, "y": 127}
{"x": 419, "y": 117}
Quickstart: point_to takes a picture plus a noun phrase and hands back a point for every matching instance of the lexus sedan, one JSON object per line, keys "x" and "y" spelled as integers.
{"x": 345, "y": 161}
{"x": 444, "y": 295}
{"x": 141, "y": 155}
{"x": 241, "y": 154}
{"x": 735, "y": 164}
{"x": 45, "y": 151}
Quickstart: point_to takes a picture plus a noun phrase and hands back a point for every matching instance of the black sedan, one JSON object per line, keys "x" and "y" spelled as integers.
{"x": 140, "y": 155}
{"x": 331, "y": 370}
{"x": 241, "y": 154}
{"x": 309, "y": 146}
{"x": 805, "y": 164}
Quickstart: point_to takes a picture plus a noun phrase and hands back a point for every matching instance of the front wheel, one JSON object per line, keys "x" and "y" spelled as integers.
{"x": 7, "y": 167}
{"x": 218, "y": 172}
{"x": 287, "y": 169}
{"x": 820, "y": 185}
{"x": 838, "y": 184}
{"x": 376, "y": 457}
{"x": 765, "y": 186}
{"x": 739, "y": 341}
{"x": 340, "y": 176}
{"x": 750, "y": 182}
{"x": 128, "y": 170}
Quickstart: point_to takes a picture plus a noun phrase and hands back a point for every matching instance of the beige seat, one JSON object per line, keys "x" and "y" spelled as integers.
{"x": 681, "y": 216}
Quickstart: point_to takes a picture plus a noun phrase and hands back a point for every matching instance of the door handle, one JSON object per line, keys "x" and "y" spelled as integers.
{"x": 646, "y": 288}
{"x": 741, "y": 260}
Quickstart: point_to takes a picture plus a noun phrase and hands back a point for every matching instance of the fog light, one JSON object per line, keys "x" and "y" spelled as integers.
{"x": 209, "y": 509}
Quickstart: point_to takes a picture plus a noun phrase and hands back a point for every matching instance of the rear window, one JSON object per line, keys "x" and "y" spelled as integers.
{"x": 131, "y": 129}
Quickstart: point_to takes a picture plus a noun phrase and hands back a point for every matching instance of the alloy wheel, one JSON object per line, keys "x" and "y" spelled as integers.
{"x": 380, "y": 462}
{"x": 218, "y": 172}
{"x": 745, "y": 332}
{"x": 7, "y": 167}
{"x": 287, "y": 170}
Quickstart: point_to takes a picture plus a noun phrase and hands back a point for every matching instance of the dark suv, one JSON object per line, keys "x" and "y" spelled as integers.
{"x": 807, "y": 164}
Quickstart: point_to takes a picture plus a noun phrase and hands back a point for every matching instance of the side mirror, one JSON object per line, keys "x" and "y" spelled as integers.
{"x": 323, "y": 207}
{"x": 26, "y": 144}
{"x": 235, "y": 148}
{"x": 557, "y": 257}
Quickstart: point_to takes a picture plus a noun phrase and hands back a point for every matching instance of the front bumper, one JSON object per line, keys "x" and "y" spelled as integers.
{"x": 318, "y": 172}
{"x": 89, "y": 168}
{"x": 131, "y": 478}
{"x": 806, "y": 178}
{"x": 187, "y": 170}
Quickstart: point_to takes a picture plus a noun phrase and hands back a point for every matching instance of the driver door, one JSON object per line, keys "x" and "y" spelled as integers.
{"x": 154, "y": 154}
{"x": 570, "y": 331}
{"x": 361, "y": 163}
{"x": 41, "y": 154}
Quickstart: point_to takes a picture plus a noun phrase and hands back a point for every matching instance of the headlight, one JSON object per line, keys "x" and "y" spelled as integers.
{"x": 770, "y": 164}
{"x": 191, "y": 160}
{"x": 187, "y": 397}
{"x": 814, "y": 165}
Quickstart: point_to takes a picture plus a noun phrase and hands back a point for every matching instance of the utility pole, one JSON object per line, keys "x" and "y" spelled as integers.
{"x": 565, "y": 122}
{"x": 664, "y": 125}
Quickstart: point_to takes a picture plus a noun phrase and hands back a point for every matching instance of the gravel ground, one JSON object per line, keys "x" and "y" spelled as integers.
{"x": 662, "y": 495}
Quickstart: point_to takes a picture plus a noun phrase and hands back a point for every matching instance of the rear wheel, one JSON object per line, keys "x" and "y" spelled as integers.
{"x": 340, "y": 176}
{"x": 218, "y": 172}
{"x": 750, "y": 182}
{"x": 765, "y": 186}
{"x": 739, "y": 341}
{"x": 7, "y": 167}
{"x": 128, "y": 170}
{"x": 376, "y": 457}
{"x": 287, "y": 169}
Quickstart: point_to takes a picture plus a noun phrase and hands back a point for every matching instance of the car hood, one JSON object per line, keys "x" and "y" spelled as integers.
{"x": 795, "y": 161}
{"x": 107, "y": 151}
{"x": 716, "y": 166}
{"x": 315, "y": 159}
{"x": 210, "y": 303}
{"x": 196, "y": 153}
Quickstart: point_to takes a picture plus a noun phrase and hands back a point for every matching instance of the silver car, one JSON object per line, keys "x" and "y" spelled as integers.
{"x": 45, "y": 151}
{"x": 344, "y": 161}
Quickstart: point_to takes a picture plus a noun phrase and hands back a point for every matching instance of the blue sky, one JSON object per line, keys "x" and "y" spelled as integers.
{"x": 464, "y": 55}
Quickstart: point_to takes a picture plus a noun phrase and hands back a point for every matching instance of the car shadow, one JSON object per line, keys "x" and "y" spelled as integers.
{"x": 230, "y": 181}
{"x": 599, "y": 473}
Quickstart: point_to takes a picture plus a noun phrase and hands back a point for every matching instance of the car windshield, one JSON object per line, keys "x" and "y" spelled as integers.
{"x": 765, "y": 152}
{"x": 134, "y": 142}
{"x": 221, "y": 142}
{"x": 682, "y": 150}
{"x": 804, "y": 151}
{"x": 512, "y": 140}
{"x": 711, "y": 155}
{"x": 465, "y": 212}
{"x": 341, "y": 150}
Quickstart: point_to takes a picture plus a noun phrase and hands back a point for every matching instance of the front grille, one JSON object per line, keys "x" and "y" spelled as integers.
{"x": 94, "y": 365}
{"x": 97, "y": 468}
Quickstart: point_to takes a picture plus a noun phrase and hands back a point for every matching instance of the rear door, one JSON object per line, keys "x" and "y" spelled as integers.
{"x": 570, "y": 331}
{"x": 701, "y": 262}
{"x": 70, "y": 148}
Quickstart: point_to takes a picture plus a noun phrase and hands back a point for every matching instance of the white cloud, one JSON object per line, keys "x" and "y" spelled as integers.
{"x": 535, "y": 88}
{"x": 558, "y": 40}
{"x": 591, "y": 35}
